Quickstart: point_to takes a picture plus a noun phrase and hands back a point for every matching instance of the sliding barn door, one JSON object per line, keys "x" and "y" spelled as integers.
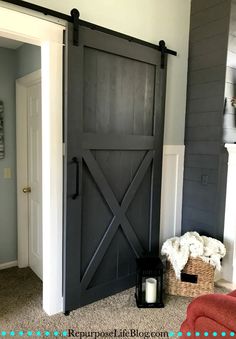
{"x": 114, "y": 140}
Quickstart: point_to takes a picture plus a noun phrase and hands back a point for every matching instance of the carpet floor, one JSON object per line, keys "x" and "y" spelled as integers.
{"x": 21, "y": 309}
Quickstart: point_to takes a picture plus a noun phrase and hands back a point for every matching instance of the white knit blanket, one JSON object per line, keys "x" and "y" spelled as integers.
{"x": 191, "y": 244}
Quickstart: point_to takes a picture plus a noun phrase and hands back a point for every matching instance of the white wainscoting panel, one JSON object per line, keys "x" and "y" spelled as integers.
{"x": 229, "y": 262}
{"x": 172, "y": 191}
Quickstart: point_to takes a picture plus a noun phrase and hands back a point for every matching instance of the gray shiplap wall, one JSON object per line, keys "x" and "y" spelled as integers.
{"x": 205, "y": 158}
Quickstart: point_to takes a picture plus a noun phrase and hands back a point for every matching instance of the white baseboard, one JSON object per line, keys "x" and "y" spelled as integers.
{"x": 172, "y": 190}
{"x": 8, "y": 265}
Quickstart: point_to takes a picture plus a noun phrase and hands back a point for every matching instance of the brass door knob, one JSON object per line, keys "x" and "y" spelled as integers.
{"x": 27, "y": 189}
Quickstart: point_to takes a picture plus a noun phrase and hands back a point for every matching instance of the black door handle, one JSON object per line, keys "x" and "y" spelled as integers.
{"x": 76, "y": 194}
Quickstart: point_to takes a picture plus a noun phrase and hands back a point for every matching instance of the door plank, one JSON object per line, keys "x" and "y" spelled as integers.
{"x": 117, "y": 142}
{"x": 129, "y": 195}
{"x": 99, "y": 253}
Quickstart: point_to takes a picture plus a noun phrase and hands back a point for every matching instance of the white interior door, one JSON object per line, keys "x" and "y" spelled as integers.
{"x": 35, "y": 178}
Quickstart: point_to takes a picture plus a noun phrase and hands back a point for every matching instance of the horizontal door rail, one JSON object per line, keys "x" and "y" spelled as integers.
{"x": 117, "y": 142}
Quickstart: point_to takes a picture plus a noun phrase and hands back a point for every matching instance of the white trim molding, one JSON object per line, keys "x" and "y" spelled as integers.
{"x": 52, "y": 176}
{"x": 229, "y": 262}
{"x": 48, "y": 35}
{"x": 172, "y": 191}
{"x": 35, "y": 14}
{"x": 31, "y": 29}
{"x": 8, "y": 265}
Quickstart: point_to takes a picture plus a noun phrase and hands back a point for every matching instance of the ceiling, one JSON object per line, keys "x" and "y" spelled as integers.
{"x": 8, "y": 43}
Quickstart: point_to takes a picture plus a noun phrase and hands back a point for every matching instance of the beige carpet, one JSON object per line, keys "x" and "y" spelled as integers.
{"x": 21, "y": 309}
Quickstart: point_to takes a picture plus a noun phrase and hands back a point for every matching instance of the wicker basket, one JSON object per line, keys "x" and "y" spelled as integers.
{"x": 197, "y": 278}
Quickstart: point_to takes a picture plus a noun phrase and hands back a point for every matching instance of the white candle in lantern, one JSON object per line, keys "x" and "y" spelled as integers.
{"x": 151, "y": 290}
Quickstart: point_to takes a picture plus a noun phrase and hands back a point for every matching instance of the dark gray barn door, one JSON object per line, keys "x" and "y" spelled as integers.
{"x": 114, "y": 137}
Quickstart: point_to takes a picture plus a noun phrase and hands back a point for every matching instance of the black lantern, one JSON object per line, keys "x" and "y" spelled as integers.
{"x": 149, "y": 283}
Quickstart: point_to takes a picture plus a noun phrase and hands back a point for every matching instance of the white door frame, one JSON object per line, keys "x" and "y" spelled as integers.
{"x": 22, "y": 86}
{"x": 48, "y": 35}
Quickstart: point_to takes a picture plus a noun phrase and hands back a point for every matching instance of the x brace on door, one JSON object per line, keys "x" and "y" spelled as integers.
{"x": 118, "y": 211}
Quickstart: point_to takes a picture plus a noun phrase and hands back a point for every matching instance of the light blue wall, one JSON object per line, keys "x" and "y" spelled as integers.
{"x": 8, "y": 230}
{"x": 28, "y": 59}
{"x": 13, "y": 64}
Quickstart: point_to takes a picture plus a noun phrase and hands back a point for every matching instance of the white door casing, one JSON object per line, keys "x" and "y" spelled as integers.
{"x": 35, "y": 177}
{"x": 30, "y": 29}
